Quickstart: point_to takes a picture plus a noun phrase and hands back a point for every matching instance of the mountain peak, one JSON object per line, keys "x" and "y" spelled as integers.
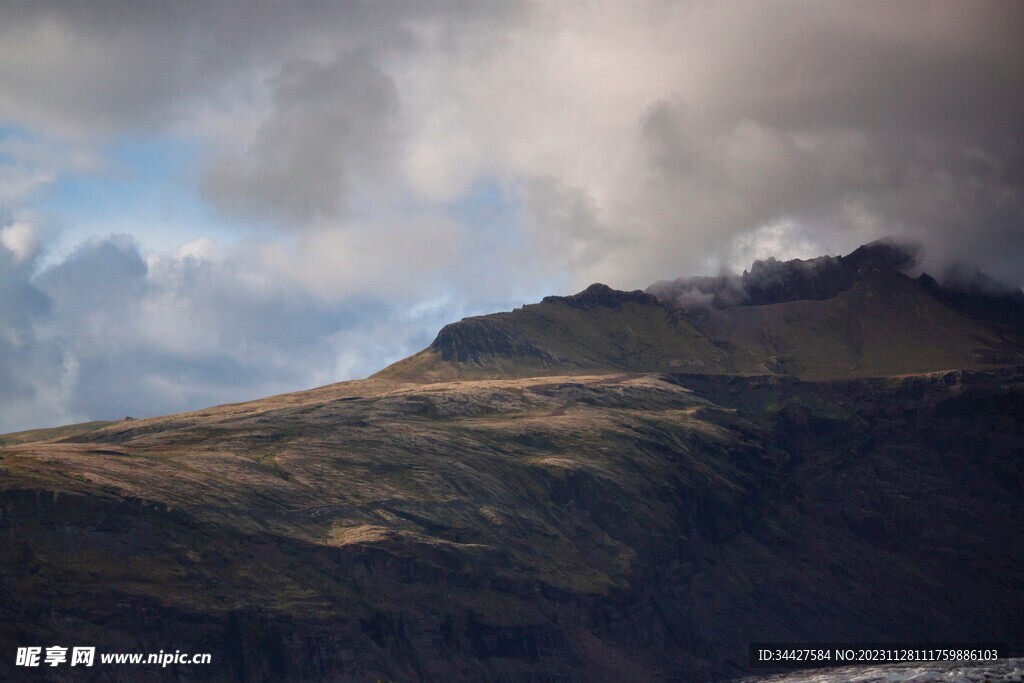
{"x": 770, "y": 281}
{"x": 885, "y": 254}
{"x": 599, "y": 294}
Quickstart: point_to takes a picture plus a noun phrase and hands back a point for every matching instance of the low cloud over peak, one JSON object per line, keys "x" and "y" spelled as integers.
{"x": 770, "y": 280}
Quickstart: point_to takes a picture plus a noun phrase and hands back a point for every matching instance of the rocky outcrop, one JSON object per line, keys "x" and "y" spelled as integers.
{"x": 601, "y": 295}
{"x": 476, "y": 340}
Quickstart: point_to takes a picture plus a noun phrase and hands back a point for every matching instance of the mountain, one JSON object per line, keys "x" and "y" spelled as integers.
{"x": 599, "y": 329}
{"x": 601, "y": 487}
{"x": 858, "y": 315}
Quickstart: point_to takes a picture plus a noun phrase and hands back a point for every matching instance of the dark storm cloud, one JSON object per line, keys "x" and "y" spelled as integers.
{"x": 92, "y": 67}
{"x": 854, "y": 121}
{"x": 331, "y": 125}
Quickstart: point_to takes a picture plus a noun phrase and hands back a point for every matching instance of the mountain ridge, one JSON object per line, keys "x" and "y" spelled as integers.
{"x": 760, "y": 322}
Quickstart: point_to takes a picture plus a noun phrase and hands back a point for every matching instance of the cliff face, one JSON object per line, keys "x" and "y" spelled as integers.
{"x": 478, "y": 341}
{"x": 561, "y": 528}
{"x": 597, "y": 330}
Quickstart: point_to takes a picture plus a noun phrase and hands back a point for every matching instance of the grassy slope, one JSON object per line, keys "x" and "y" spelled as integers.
{"x": 364, "y": 499}
{"x": 630, "y": 337}
{"x": 593, "y": 526}
{"x": 273, "y": 467}
{"x": 52, "y": 433}
{"x": 885, "y": 325}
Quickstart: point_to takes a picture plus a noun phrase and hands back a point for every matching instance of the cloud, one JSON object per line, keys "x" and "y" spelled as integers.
{"x": 30, "y": 371}
{"x": 330, "y": 127}
{"x": 108, "y": 332}
{"x": 349, "y": 152}
{"x": 84, "y": 68}
{"x": 563, "y": 223}
{"x": 693, "y": 127}
{"x": 687, "y": 127}
{"x": 20, "y": 239}
{"x": 78, "y": 68}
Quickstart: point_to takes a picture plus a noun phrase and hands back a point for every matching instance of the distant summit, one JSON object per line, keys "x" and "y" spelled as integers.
{"x": 771, "y": 281}
{"x": 830, "y": 317}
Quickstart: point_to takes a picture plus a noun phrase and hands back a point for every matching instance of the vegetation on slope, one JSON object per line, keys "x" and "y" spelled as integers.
{"x": 581, "y": 527}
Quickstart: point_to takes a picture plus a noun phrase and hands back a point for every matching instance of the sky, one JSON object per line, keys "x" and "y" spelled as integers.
{"x": 208, "y": 202}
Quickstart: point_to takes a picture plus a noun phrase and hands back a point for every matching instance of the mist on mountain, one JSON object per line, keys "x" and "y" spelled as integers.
{"x": 770, "y": 281}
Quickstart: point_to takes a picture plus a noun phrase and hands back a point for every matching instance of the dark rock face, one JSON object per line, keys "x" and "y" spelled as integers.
{"x": 773, "y": 282}
{"x": 473, "y": 340}
{"x": 598, "y": 329}
{"x": 883, "y": 254}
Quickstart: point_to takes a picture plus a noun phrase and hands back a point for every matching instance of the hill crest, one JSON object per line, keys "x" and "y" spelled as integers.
{"x": 831, "y": 317}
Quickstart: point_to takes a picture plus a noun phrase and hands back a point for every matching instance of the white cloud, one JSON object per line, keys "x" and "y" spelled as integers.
{"x": 106, "y": 333}
{"x": 390, "y": 258}
{"x": 20, "y": 239}
{"x": 16, "y": 183}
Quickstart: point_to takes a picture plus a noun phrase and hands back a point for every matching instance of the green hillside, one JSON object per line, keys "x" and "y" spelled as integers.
{"x": 885, "y": 324}
{"x": 597, "y": 528}
{"x": 599, "y": 329}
